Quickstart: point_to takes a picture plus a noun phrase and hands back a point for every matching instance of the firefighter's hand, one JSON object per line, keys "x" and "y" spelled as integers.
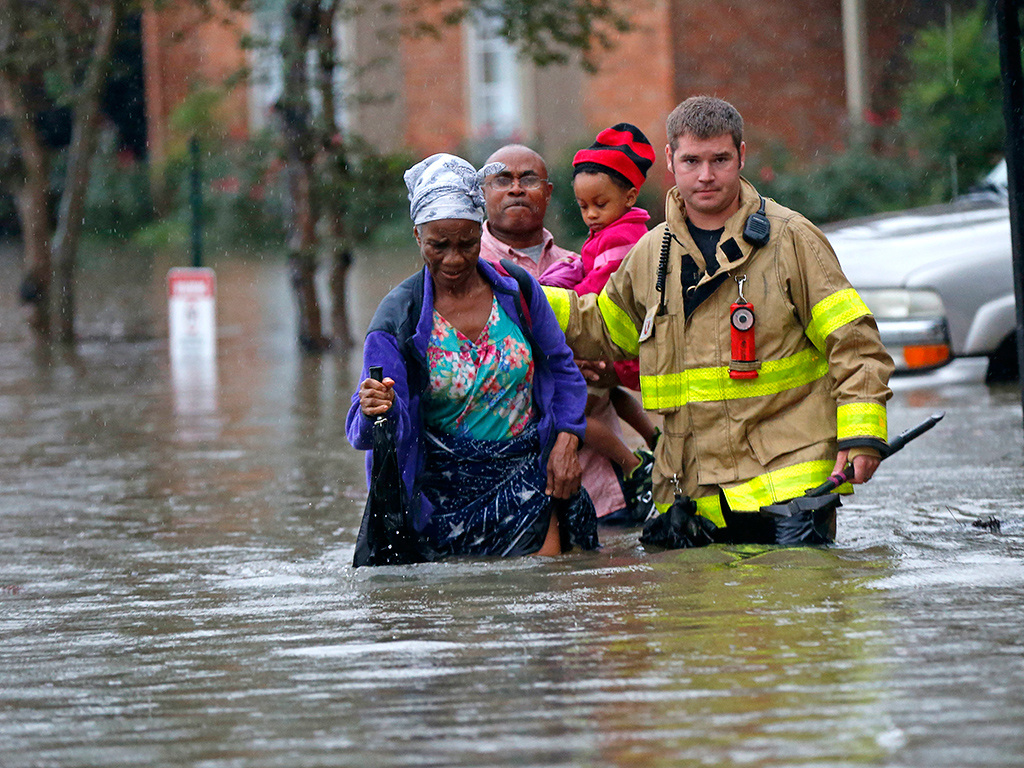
{"x": 864, "y": 466}
{"x": 376, "y": 397}
{"x": 564, "y": 471}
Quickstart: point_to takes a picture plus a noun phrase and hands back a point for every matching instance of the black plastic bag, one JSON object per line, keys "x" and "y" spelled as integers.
{"x": 680, "y": 527}
{"x": 805, "y": 520}
{"x": 386, "y": 535}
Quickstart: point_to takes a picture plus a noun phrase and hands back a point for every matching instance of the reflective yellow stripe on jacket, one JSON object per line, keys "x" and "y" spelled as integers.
{"x": 558, "y": 298}
{"x": 834, "y": 312}
{"x": 770, "y": 488}
{"x": 861, "y": 420}
{"x": 703, "y": 385}
{"x": 780, "y": 485}
{"x": 620, "y": 328}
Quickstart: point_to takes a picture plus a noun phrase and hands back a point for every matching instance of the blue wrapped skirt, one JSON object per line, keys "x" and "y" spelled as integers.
{"x": 486, "y": 497}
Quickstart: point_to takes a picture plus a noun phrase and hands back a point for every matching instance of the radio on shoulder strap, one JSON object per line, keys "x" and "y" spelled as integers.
{"x": 758, "y": 228}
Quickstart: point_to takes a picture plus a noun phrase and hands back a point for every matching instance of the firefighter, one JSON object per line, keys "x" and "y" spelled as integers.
{"x": 765, "y": 363}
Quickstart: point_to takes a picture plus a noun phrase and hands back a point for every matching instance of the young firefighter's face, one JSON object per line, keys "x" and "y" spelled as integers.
{"x": 707, "y": 175}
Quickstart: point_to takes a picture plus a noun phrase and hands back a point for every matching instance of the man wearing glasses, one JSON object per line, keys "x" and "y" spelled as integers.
{"x": 517, "y": 200}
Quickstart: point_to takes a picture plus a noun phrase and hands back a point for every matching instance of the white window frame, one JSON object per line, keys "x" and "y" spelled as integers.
{"x": 497, "y": 100}
{"x": 266, "y": 80}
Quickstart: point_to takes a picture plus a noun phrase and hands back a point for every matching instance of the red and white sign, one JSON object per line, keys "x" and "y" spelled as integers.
{"x": 192, "y": 313}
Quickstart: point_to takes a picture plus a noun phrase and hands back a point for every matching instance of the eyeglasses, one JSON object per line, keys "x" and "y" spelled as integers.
{"x": 525, "y": 182}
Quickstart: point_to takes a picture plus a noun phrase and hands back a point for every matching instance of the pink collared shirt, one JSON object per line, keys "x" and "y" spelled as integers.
{"x": 557, "y": 267}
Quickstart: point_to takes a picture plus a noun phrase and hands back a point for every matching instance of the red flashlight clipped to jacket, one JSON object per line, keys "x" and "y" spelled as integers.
{"x": 741, "y": 320}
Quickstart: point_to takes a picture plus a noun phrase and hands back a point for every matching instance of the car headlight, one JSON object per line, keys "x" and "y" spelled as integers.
{"x": 901, "y": 304}
{"x": 912, "y": 324}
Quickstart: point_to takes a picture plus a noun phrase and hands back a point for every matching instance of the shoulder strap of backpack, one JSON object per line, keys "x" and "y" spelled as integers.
{"x": 522, "y": 277}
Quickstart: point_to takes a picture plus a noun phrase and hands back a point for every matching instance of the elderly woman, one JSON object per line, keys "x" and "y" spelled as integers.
{"x": 487, "y": 401}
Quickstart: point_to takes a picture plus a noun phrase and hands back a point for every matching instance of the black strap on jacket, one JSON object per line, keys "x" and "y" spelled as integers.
{"x": 689, "y": 276}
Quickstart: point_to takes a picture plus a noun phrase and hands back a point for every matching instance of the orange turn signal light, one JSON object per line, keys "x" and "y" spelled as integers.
{"x": 926, "y": 356}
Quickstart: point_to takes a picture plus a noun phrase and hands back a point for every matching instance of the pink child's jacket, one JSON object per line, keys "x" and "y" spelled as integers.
{"x": 602, "y": 254}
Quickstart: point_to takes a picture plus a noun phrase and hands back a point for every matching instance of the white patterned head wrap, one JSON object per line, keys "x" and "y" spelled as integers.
{"x": 446, "y": 187}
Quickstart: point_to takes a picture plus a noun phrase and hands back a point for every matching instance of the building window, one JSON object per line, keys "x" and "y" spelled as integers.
{"x": 495, "y": 80}
{"x": 265, "y": 77}
{"x": 266, "y": 80}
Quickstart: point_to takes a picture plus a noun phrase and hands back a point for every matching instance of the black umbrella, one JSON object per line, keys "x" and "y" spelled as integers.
{"x": 386, "y": 535}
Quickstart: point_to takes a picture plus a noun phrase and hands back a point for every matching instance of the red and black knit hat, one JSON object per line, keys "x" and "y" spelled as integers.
{"x": 624, "y": 149}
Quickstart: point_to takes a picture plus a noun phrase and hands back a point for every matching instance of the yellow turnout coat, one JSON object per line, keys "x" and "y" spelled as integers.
{"x": 823, "y": 373}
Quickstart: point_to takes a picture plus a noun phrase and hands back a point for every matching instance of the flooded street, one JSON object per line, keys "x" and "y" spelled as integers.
{"x": 175, "y": 587}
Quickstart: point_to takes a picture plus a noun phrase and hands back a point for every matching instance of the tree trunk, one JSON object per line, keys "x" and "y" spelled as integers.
{"x": 340, "y": 264}
{"x": 33, "y": 213}
{"x": 76, "y": 182}
{"x": 294, "y": 111}
{"x": 302, "y": 256}
{"x": 32, "y": 199}
{"x": 334, "y": 172}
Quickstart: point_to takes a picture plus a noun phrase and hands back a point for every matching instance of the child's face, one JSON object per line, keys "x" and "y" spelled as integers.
{"x": 601, "y": 200}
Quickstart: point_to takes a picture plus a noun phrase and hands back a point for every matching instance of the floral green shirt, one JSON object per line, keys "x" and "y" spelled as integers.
{"x": 482, "y": 389}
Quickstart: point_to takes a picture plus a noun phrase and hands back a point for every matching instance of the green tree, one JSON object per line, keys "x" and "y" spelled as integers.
{"x": 54, "y": 57}
{"x": 546, "y": 31}
{"x": 951, "y": 104}
{"x": 55, "y": 61}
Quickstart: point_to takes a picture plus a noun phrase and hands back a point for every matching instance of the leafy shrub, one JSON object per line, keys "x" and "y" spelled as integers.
{"x": 243, "y": 199}
{"x": 952, "y": 102}
{"x": 117, "y": 203}
{"x": 374, "y": 189}
{"x": 857, "y": 182}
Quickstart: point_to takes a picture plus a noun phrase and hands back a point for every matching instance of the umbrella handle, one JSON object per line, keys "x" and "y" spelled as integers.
{"x": 897, "y": 443}
{"x": 377, "y": 374}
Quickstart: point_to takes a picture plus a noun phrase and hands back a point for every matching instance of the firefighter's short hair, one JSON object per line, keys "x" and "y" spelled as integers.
{"x": 704, "y": 117}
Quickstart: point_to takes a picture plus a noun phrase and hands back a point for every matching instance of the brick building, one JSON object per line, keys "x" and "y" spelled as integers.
{"x": 785, "y": 64}
{"x": 184, "y": 50}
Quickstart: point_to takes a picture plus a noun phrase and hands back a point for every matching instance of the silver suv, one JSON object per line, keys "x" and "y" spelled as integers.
{"x": 939, "y": 280}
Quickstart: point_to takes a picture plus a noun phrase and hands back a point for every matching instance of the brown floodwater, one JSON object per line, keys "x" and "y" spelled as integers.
{"x": 176, "y": 590}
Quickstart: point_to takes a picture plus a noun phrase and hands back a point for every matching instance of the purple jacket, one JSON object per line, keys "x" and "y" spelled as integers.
{"x": 397, "y": 340}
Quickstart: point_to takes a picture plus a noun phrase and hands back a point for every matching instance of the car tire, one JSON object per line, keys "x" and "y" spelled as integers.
{"x": 1002, "y": 364}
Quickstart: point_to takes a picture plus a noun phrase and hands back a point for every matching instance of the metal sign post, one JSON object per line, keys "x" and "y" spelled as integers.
{"x": 195, "y": 200}
{"x": 1008, "y": 21}
{"x": 192, "y": 319}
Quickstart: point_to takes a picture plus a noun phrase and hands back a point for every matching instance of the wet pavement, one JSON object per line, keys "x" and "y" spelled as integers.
{"x": 175, "y": 587}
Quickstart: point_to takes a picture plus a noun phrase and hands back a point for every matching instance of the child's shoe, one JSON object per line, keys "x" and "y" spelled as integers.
{"x": 638, "y": 489}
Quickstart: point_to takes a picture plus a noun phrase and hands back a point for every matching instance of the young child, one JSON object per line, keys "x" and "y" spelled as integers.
{"x": 607, "y": 177}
